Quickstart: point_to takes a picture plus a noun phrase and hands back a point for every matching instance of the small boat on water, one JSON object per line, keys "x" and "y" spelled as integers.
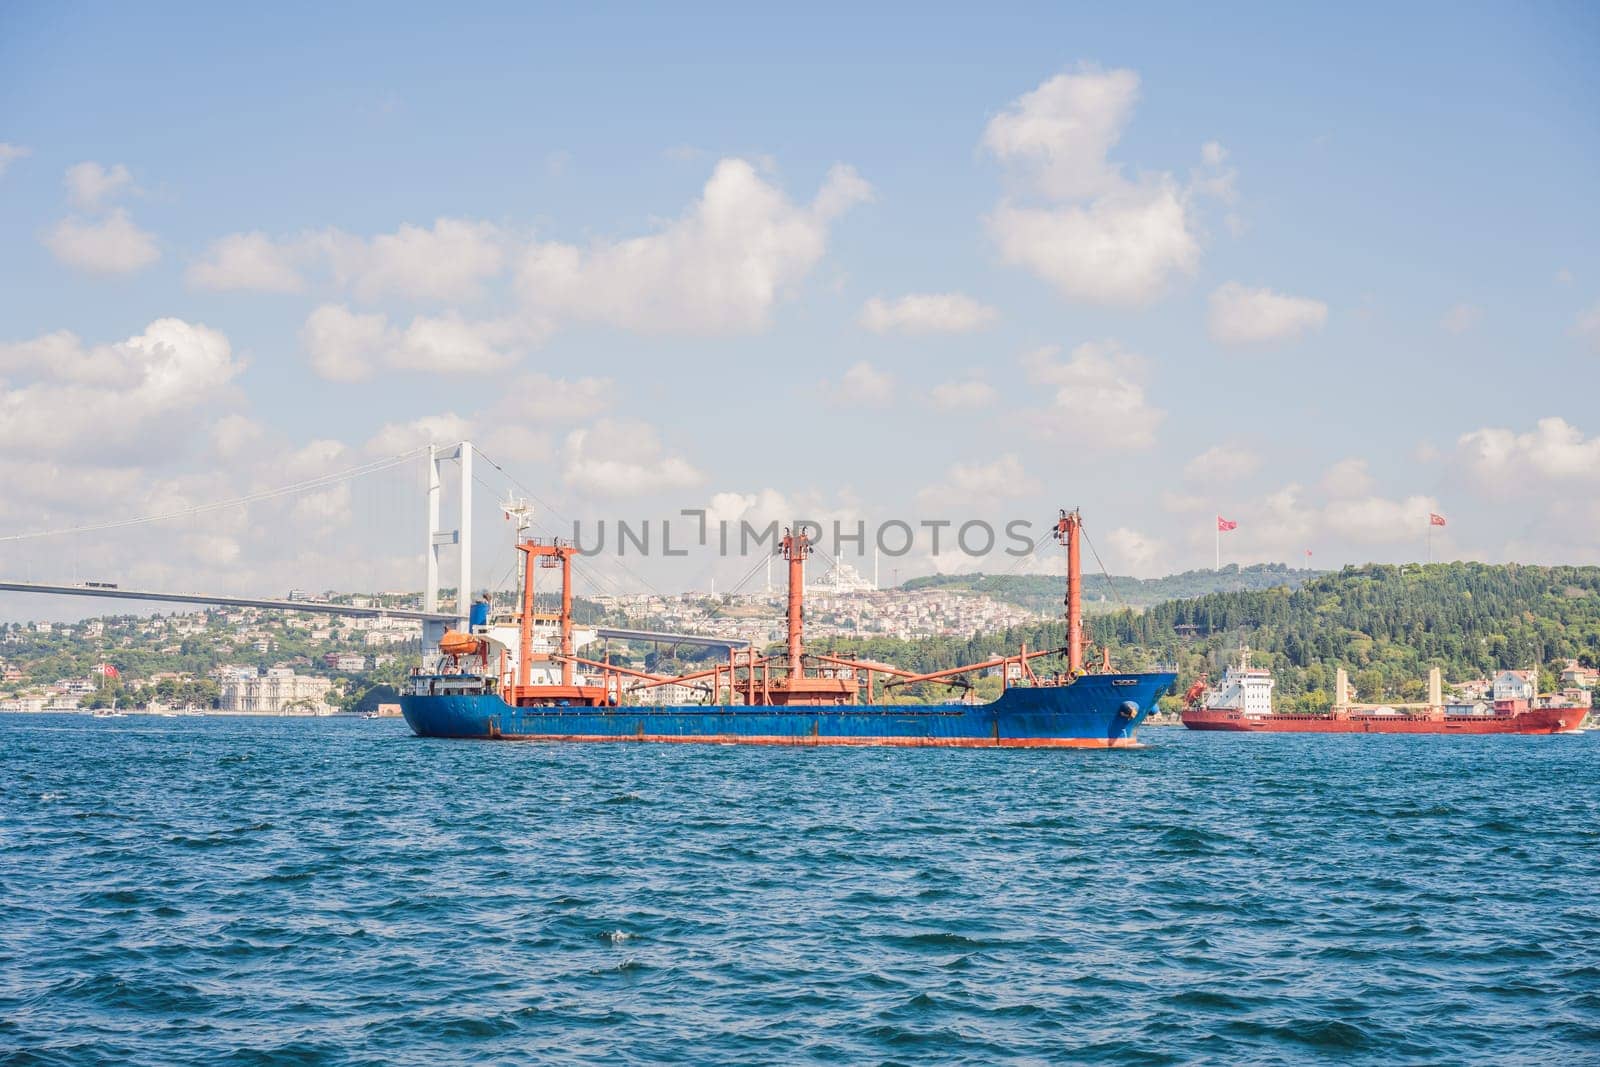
{"x": 109, "y": 713}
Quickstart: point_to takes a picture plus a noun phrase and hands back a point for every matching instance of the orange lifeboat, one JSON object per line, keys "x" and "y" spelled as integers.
{"x": 456, "y": 643}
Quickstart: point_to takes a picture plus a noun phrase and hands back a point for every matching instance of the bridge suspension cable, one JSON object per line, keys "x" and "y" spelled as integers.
{"x": 307, "y": 485}
{"x": 593, "y": 572}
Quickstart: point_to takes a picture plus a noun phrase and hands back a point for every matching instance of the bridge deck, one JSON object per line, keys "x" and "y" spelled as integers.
{"x": 322, "y": 608}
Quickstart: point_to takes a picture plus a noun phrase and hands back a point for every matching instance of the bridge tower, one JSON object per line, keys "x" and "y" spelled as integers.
{"x": 437, "y": 539}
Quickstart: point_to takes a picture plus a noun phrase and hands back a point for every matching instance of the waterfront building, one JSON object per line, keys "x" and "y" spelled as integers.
{"x": 276, "y": 691}
{"x": 1515, "y": 685}
{"x": 1579, "y": 677}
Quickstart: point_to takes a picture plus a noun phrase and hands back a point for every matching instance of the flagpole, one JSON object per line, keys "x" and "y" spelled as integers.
{"x": 1218, "y": 525}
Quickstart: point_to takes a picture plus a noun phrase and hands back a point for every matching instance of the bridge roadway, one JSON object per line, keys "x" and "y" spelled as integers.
{"x": 350, "y": 610}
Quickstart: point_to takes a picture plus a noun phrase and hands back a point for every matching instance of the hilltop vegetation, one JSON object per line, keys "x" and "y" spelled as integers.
{"x": 1387, "y": 625}
{"x": 1042, "y": 592}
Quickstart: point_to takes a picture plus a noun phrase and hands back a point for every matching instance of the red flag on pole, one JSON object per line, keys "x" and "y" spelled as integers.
{"x": 1435, "y": 520}
{"x": 1224, "y": 525}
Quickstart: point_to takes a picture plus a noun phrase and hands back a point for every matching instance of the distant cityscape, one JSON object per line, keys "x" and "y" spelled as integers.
{"x": 255, "y": 661}
{"x": 250, "y": 661}
{"x": 228, "y": 660}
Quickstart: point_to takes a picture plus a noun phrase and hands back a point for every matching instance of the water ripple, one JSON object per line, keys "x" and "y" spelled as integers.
{"x": 337, "y": 892}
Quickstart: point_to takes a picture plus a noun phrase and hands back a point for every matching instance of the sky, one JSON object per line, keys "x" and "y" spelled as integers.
{"x": 1321, "y": 272}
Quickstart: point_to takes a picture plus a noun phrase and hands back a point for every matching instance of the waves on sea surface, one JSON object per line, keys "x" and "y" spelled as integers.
{"x": 249, "y": 891}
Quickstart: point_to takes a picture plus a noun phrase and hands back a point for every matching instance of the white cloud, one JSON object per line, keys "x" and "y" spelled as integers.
{"x": 218, "y": 550}
{"x": 1215, "y": 177}
{"x": 1120, "y": 249}
{"x": 396, "y": 437}
{"x": 90, "y": 184}
{"x": 1137, "y": 553}
{"x": 1222, "y": 463}
{"x": 10, "y": 153}
{"x": 1280, "y": 526}
{"x": 1378, "y": 520}
{"x": 344, "y": 346}
{"x": 517, "y": 443}
{"x": 450, "y": 344}
{"x": 1587, "y": 326}
{"x": 1461, "y": 318}
{"x": 1097, "y": 236}
{"x": 926, "y": 313}
{"x": 721, "y": 267}
{"x": 502, "y": 426}
{"x": 967, "y": 484}
{"x": 347, "y": 346}
{"x": 1099, "y": 399}
{"x": 1058, "y": 135}
{"x": 111, "y": 403}
{"x": 235, "y": 436}
{"x": 1283, "y": 524}
{"x": 718, "y": 269}
{"x": 1244, "y": 316}
{"x": 113, "y": 245}
{"x": 963, "y": 395}
{"x": 1554, "y": 451}
{"x": 252, "y": 261}
{"x": 759, "y": 508}
{"x": 841, "y": 190}
{"x": 623, "y": 458}
{"x": 538, "y": 396}
{"x": 450, "y": 261}
{"x": 323, "y": 510}
{"x": 1347, "y": 478}
{"x": 863, "y": 385}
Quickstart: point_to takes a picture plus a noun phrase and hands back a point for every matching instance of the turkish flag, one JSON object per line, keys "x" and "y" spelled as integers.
{"x": 1224, "y": 525}
{"x": 1435, "y": 520}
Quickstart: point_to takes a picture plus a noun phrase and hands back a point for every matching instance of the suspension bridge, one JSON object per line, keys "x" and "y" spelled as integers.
{"x": 437, "y": 542}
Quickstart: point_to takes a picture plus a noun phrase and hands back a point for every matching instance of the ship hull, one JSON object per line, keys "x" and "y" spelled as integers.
{"x": 1097, "y": 711}
{"x": 1536, "y": 721}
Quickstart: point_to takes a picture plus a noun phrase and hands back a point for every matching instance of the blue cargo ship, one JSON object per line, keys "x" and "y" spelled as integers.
{"x": 495, "y": 683}
{"x": 1096, "y": 711}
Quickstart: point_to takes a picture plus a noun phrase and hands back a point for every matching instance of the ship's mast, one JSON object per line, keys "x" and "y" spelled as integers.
{"x": 525, "y": 617}
{"x": 554, "y": 554}
{"x": 517, "y": 510}
{"x": 796, "y": 547}
{"x": 1068, "y": 531}
{"x": 565, "y": 552}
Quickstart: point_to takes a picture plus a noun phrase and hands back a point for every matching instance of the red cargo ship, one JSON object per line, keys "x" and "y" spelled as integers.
{"x": 1242, "y": 702}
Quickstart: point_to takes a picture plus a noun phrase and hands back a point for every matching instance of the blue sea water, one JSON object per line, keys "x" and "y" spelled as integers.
{"x": 337, "y": 891}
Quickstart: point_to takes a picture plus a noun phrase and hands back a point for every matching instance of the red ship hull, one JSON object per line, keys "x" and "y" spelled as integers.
{"x": 1534, "y": 721}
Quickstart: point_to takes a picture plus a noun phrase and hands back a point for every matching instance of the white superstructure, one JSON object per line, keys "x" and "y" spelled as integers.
{"x": 1243, "y": 688}
{"x": 506, "y": 632}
